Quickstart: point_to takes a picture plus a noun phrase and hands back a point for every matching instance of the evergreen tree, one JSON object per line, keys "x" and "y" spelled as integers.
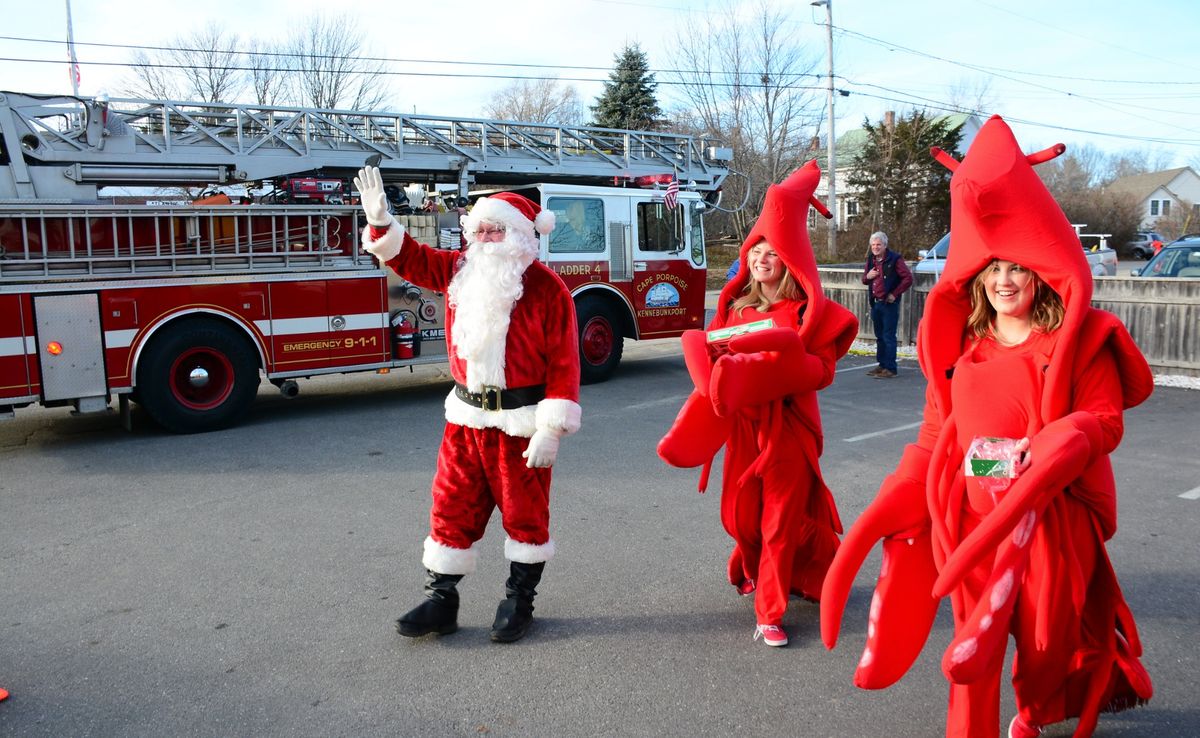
{"x": 905, "y": 191}
{"x": 628, "y": 99}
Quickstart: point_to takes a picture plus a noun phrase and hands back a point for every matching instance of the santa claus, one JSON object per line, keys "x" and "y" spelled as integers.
{"x": 514, "y": 356}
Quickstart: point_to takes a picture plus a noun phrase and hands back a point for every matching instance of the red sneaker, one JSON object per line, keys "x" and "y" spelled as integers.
{"x": 1018, "y": 728}
{"x": 772, "y": 635}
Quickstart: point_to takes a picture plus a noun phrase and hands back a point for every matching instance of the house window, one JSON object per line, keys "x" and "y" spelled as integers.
{"x": 1166, "y": 208}
{"x": 1154, "y": 207}
{"x": 852, "y": 208}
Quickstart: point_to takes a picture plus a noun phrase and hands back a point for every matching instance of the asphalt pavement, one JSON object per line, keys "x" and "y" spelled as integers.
{"x": 245, "y": 582}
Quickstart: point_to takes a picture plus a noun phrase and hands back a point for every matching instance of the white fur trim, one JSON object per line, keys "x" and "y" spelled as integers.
{"x": 388, "y": 246}
{"x": 494, "y": 210}
{"x": 564, "y": 416}
{"x": 545, "y": 221}
{"x": 448, "y": 560}
{"x": 520, "y": 421}
{"x": 528, "y": 553}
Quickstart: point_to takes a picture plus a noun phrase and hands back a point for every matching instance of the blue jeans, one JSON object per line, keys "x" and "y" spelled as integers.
{"x": 884, "y": 316}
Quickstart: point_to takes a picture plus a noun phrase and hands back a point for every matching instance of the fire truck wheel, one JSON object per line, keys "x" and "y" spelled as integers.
{"x": 600, "y": 340}
{"x": 198, "y": 376}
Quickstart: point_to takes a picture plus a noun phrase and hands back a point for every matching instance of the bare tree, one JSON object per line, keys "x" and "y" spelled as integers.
{"x": 1139, "y": 161}
{"x": 974, "y": 95}
{"x": 327, "y": 68}
{"x": 151, "y": 77}
{"x": 267, "y": 75}
{"x": 203, "y": 65}
{"x": 537, "y": 101}
{"x": 751, "y": 84}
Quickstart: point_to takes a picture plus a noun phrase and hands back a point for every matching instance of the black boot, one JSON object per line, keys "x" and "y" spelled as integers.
{"x": 438, "y": 613}
{"x": 515, "y": 613}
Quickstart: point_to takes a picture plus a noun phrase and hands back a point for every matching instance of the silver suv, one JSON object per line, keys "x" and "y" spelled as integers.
{"x": 1142, "y": 245}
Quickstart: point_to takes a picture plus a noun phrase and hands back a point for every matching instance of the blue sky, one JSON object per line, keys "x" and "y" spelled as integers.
{"x": 1119, "y": 76}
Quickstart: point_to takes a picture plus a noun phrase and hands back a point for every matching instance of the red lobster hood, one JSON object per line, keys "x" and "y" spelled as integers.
{"x": 784, "y": 223}
{"x": 999, "y": 209}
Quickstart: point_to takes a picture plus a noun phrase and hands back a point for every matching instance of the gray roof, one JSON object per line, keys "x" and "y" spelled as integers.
{"x": 1144, "y": 185}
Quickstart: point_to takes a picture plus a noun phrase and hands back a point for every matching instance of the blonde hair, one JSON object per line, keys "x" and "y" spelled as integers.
{"x": 753, "y": 296}
{"x": 1046, "y": 312}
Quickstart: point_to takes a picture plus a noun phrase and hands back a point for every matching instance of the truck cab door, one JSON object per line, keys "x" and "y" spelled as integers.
{"x": 668, "y": 281}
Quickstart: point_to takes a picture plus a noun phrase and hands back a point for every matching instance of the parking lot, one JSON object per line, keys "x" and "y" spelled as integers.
{"x": 244, "y": 582}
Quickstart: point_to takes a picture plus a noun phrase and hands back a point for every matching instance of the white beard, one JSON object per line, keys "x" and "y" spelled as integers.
{"x": 483, "y": 293}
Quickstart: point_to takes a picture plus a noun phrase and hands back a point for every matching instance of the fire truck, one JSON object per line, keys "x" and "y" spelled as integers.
{"x": 183, "y": 307}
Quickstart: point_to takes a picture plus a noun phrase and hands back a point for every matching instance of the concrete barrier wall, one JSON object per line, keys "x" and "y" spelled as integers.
{"x": 1162, "y": 315}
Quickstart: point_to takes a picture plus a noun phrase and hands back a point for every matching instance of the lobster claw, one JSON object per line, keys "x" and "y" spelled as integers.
{"x": 695, "y": 437}
{"x": 902, "y": 610}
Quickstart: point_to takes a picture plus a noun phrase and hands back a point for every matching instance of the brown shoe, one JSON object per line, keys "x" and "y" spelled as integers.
{"x": 874, "y": 372}
{"x": 885, "y": 374}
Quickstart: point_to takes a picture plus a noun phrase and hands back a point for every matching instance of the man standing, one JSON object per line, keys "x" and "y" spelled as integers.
{"x": 514, "y": 356}
{"x": 887, "y": 277}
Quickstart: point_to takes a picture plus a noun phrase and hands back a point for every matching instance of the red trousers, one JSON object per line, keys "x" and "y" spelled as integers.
{"x": 782, "y": 520}
{"x": 479, "y": 470}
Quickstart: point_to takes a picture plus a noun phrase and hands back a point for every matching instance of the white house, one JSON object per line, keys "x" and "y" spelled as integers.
{"x": 1166, "y": 194}
{"x": 849, "y": 144}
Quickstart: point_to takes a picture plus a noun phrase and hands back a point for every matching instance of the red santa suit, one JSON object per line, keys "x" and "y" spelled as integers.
{"x": 512, "y": 338}
{"x": 1030, "y": 561}
{"x": 758, "y": 398}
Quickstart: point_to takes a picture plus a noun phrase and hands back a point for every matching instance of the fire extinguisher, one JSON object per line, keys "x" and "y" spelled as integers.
{"x": 405, "y": 343}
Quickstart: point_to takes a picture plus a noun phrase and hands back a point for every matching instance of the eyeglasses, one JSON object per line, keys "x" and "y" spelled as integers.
{"x": 485, "y": 232}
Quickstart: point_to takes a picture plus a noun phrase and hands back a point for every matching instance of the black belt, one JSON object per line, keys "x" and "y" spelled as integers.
{"x": 494, "y": 398}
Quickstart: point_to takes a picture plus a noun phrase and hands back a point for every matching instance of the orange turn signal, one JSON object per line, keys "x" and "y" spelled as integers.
{"x": 54, "y": 347}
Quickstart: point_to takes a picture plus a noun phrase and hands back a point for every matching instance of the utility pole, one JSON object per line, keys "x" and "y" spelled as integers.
{"x": 832, "y": 162}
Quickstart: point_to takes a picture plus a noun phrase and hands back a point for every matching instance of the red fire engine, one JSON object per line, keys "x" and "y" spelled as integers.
{"x": 182, "y": 308}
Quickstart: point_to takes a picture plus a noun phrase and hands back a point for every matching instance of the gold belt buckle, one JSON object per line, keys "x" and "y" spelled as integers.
{"x": 490, "y": 397}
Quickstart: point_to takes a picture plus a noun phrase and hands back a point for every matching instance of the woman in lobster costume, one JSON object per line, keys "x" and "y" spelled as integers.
{"x": 1011, "y": 347}
{"x": 757, "y": 395}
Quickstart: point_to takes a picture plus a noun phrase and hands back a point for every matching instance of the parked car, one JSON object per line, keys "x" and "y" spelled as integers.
{"x": 1180, "y": 258}
{"x": 1103, "y": 261}
{"x": 1142, "y": 246}
{"x": 933, "y": 260}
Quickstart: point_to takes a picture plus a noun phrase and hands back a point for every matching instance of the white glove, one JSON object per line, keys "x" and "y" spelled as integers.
{"x": 370, "y": 193}
{"x": 543, "y": 449}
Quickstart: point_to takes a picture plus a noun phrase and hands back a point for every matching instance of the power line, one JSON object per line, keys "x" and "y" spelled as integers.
{"x": 949, "y": 108}
{"x": 908, "y": 97}
{"x": 1089, "y": 39}
{"x": 391, "y": 60}
{"x": 1107, "y": 105}
{"x": 450, "y": 75}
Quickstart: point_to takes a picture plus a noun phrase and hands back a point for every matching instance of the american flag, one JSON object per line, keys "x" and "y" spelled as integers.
{"x": 672, "y": 196}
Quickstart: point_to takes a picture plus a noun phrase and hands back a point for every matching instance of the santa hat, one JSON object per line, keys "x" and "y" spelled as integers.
{"x": 512, "y": 211}
{"x": 783, "y": 223}
{"x": 1000, "y": 209}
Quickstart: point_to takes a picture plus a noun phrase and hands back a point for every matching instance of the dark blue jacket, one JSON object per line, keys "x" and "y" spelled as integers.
{"x": 896, "y": 276}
